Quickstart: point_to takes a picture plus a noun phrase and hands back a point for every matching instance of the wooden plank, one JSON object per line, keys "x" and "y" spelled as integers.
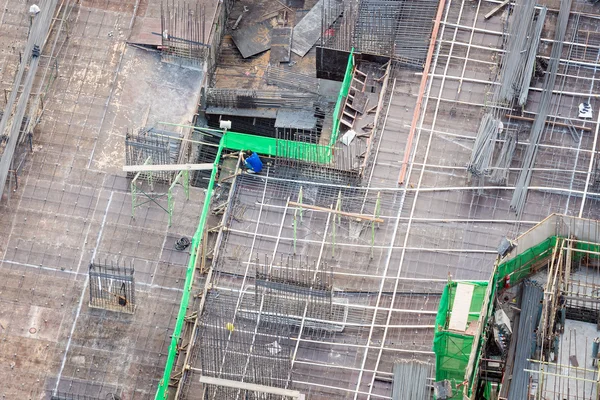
{"x": 417, "y": 112}
{"x": 528, "y": 119}
{"x": 461, "y": 307}
{"x": 169, "y": 167}
{"x": 308, "y": 31}
{"x": 254, "y": 39}
{"x": 346, "y": 214}
{"x": 496, "y": 9}
{"x": 209, "y": 380}
{"x": 281, "y": 43}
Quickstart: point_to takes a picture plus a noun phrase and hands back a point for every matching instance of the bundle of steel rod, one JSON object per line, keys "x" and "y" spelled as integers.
{"x": 514, "y": 78}
{"x": 521, "y": 188}
{"x": 22, "y": 86}
{"x": 532, "y": 294}
{"x": 238, "y": 98}
{"x": 410, "y": 380}
{"x": 483, "y": 149}
{"x": 531, "y": 52}
{"x": 521, "y": 50}
{"x": 499, "y": 174}
{"x": 285, "y": 78}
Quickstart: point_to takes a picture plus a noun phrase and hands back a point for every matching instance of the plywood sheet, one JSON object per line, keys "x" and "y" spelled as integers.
{"x": 142, "y": 33}
{"x": 281, "y": 42}
{"x": 460, "y": 309}
{"x": 308, "y": 30}
{"x": 254, "y": 39}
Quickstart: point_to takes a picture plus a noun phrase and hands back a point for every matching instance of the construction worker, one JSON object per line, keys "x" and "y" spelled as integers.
{"x": 252, "y": 162}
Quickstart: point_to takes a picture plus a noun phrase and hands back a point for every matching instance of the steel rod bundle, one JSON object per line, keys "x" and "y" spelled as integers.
{"x": 514, "y": 78}
{"x": 520, "y": 194}
{"x": 410, "y": 380}
{"x": 483, "y": 149}
{"x": 499, "y": 173}
{"x": 520, "y": 45}
{"x": 531, "y": 56}
{"x": 532, "y": 294}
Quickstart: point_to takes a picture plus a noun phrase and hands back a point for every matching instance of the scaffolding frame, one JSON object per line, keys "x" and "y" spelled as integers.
{"x": 140, "y": 196}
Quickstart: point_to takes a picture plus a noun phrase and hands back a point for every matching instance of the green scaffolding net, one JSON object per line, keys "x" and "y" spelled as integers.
{"x": 452, "y": 349}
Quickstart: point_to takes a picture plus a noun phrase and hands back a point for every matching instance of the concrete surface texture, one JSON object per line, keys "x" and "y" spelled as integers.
{"x": 440, "y": 223}
{"x": 73, "y": 205}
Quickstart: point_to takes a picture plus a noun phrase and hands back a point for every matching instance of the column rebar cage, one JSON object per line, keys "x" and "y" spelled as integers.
{"x": 162, "y": 146}
{"x": 183, "y": 31}
{"x": 112, "y": 287}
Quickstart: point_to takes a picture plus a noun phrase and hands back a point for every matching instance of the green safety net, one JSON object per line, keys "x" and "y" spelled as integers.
{"x": 520, "y": 267}
{"x": 452, "y": 349}
{"x": 277, "y": 147}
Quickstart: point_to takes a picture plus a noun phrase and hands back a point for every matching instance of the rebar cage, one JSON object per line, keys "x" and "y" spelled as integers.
{"x": 112, "y": 287}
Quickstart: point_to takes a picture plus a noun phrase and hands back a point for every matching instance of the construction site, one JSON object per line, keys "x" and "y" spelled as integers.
{"x": 299, "y": 199}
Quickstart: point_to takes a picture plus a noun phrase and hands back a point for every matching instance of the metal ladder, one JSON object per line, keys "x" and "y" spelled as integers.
{"x": 358, "y": 84}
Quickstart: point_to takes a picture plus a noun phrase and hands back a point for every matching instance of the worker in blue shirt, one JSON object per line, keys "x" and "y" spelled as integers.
{"x": 252, "y": 162}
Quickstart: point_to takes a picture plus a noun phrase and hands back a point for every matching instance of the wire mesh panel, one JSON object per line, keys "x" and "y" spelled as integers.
{"x": 112, "y": 287}
{"x": 253, "y": 351}
{"x": 65, "y": 396}
{"x": 400, "y": 29}
{"x": 301, "y": 292}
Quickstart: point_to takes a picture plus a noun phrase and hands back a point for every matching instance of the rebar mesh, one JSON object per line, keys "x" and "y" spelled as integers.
{"x": 251, "y": 350}
{"x": 399, "y": 29}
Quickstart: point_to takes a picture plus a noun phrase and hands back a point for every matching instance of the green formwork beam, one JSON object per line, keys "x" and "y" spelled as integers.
{"x": 335, "y": 131}
{"x": 268, "y": 146}
{"x": 163, "y": 386}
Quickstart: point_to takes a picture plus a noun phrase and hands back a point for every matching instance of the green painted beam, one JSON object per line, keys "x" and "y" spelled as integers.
{"x": 268, "y": 146}
{"x": 163, "y": 386}
{"x": 344, "y": 89}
